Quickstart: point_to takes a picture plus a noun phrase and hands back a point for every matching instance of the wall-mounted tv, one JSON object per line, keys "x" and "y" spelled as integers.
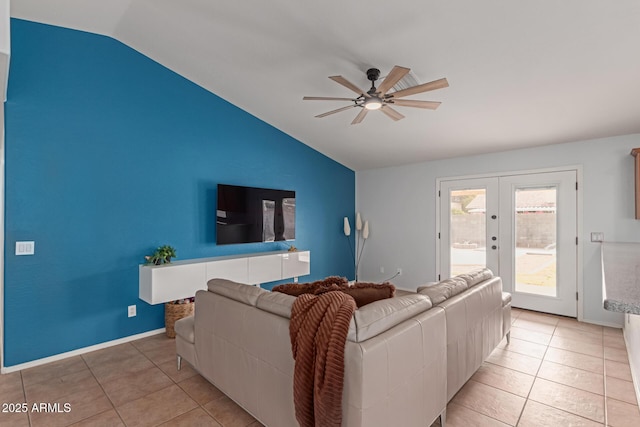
{"x": 249, "y": 214}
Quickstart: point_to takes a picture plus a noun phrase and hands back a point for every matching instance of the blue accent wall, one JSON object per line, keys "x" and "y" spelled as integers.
{"x": 109, "y": 155}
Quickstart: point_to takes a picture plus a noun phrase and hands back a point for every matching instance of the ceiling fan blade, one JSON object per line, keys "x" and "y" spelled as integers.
{"x": 326, "y": 98}
{"x": 360, "y": 117}
{"x": 334, "y": 111}
{"x": 393, "y": 114}
{"x": 396, "y": 74}
{"x": 429, "y": 105}
{"x": 436, "y": 84}
{"x": 346, "y": 83}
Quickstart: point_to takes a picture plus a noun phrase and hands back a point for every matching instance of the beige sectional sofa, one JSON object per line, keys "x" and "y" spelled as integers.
{"x": 405, "y": 357}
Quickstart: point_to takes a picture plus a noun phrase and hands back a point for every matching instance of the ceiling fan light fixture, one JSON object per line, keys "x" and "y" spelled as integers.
{"x": 373, "y": 103}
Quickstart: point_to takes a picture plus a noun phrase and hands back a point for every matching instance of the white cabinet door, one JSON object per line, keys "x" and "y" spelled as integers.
{"x": 159, "y": 284}
{"x": 267, "y": 268}
{"x": 296, "y": 264}
{"x": 230, "y": 269}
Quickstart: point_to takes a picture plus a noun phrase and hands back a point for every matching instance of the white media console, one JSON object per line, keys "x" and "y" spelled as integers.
{"x": 181, "y": 279}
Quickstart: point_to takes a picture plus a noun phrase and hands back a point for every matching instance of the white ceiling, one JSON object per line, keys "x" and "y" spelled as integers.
{"x": 521, "y": 73}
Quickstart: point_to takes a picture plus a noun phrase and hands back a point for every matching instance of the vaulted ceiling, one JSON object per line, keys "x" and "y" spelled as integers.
{"x": 521, "y": 74}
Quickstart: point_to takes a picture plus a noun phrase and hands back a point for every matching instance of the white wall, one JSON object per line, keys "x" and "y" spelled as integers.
{"x": 400, "y": 204}
{"x": 5, "y": 49}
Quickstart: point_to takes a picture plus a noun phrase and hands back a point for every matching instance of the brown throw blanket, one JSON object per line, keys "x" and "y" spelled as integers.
{"x": 318, "y": 332}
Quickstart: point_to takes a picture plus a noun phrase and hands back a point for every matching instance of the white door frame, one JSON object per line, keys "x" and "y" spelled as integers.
{"x": 579, "y": 203}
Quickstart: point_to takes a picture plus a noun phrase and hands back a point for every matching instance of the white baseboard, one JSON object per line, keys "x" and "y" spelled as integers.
{"x": 597, "y": 322}
{"x": 38, "y": 362}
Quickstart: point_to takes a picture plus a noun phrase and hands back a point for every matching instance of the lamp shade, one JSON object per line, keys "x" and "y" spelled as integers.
{"x": 365, "y": 230}
{"x": 347, "y": 227}
{"x": 358, "y": 222}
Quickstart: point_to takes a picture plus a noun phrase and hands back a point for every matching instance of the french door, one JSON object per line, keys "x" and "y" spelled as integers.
{"x": 522, "y": 227}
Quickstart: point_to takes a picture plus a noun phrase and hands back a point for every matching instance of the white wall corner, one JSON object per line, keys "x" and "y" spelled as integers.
{"x": 5, "y": 47}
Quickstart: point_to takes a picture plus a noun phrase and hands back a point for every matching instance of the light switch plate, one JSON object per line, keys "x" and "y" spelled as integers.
{"x": 25, "y": 248}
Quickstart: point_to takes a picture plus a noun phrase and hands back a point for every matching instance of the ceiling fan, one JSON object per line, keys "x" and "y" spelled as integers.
{"x": 378, "y": 98}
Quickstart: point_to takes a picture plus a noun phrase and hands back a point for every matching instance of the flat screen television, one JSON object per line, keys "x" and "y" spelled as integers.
{"x": 249, "y": 215}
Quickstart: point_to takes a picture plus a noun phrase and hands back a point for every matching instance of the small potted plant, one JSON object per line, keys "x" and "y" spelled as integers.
{"x": 162, "y": 255}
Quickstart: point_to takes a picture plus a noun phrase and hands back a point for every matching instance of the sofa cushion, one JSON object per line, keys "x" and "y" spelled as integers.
{"x": 379, "y": 316}
{"x": 237, "y": 291}
{"x": 297, "y": 289}
{"x": 477, "y": 276}
{"x": 276, "y": 303}
{"x": 506, "y": 299}
{"x": 444, "y": 289}
{"x": 185, "y": 329}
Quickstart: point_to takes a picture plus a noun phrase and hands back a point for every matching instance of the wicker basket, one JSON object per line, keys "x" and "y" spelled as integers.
{"x": 175, "y": 312}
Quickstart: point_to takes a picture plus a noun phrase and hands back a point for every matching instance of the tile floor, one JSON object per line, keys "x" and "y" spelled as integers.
{"x": 555, "y": 372}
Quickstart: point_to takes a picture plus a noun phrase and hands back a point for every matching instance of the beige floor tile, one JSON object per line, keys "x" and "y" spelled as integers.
{"x": 57, "y": 388}
{"x": 11, "y": 388}
{"x": 524, "y": 347}
{"x": 576, "y": 360}
{"x": 116, "y": 369}
{"x": 595, "y": 350}
{"x": 538, "y": 415}
{"x": 164, "y": 352}
{"x": 117, "y": 353}
{"x": 621, "y": 414}
{"x": 540, "y": 317}
{"x": 578, "y": 335}
{"x": 531, "y": 336}
{"x": 616, "y": 354}
{"x": 14, "y": 419}
{"x": 573, "y": 377}
{"x": 157, "y": 407}
{"x": 196, "y": 417}
{"x": 170, "y": 368}
{"x": 612, "y": 331}
{"x": 136, "y": 385}
{"x": 257, "y": 423}
{"x": 618, "y": 370}
{"x": 228, "y": 413}
{"x": 616, "y": 341}
{"x": 459, "y": 416}
{"x": 535, "y": 326}
{"x": 504, "y": 378}
{"x": 108, "y": 418}
{"x": 569, "y": 399}
{"x": 583, "y": 326}
{"x": 490, "y": 401}
{"x": 519, "y": 362}
{"x": 200, "y": 390}
{"x": 83, "y": 404}
{"x": 152, "y": 342}
{"x": 621, "y": 390}
{"x": 53, "y": 370}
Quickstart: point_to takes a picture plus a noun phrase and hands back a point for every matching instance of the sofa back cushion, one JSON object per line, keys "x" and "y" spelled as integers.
{"x": 377, "y": 317}
{"x": 276, "y": 303}
{"x": 477, "y": 276}
{"x": 236, "y": 291}
{"x": 444, "y": 289}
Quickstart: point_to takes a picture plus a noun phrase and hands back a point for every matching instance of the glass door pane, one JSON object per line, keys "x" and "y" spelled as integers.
{"x": 468, "y": 230}
{"x": 535, "y": 240}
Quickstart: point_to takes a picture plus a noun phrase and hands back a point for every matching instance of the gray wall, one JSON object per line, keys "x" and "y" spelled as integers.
{"x": 400, "y": 204}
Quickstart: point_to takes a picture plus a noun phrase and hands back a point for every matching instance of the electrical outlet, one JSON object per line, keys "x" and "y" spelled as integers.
{"x": 295, "y": 279}
{"x": 131, "y": 311}
{"x": 399, "y": 271}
